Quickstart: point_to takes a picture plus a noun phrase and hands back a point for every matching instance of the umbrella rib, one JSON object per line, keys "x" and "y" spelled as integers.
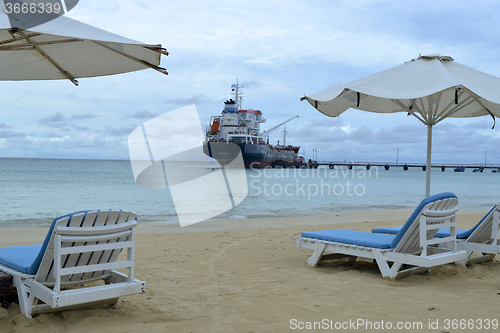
{"x": 454, "y": 110}
{"x": 424, "y": 116}
{"x": 446, "y": 108}
{"x": 159, "y": 69}
{"x": 71, "y": 40}
{"x": 46, "y": 56}
{"x": 399, "y": 103}
{"x": 430, "y": 110}
{"x": 427, "y": 115}
{"x": 434, "y": 116}
{"x": 23, "y": 47}
{"x": 482, "y": 105}
{"x": 160, "y": 50}
{"x": 15, "y": 39}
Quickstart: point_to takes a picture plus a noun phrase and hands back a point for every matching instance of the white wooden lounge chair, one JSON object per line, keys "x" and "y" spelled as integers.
{"x": 482, "y": 238}
{"x": 79, "y": 248}
{"x": 411, "y": 246}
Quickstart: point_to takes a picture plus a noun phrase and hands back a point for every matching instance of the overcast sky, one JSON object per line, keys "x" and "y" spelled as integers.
{"x": 279, "y": 51}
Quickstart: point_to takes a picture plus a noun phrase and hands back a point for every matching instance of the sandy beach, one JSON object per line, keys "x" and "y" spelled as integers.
{"x": 248, "y": 276}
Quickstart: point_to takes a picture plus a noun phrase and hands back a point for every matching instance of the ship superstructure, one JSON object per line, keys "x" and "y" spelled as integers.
{"x": 242, "y": 127}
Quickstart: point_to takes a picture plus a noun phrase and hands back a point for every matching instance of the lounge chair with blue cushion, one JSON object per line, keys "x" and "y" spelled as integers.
{"x": 79, "y": 248}
{"x": 411, "y": 246}
{"x": 482, "y": 238}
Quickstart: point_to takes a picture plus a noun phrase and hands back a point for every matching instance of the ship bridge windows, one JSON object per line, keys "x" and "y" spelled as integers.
{"x": 250, "y": 139}
{"x": 237, "y": 139}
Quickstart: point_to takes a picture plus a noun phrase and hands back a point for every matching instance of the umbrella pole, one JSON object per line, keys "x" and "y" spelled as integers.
{"x": 428, "y": 162}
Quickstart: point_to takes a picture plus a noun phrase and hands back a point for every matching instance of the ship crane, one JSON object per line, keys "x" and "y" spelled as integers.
{"x": 265, "y": 133}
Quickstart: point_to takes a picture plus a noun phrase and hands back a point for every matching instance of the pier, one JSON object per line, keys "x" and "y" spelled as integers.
{"x": 477, "y": 167}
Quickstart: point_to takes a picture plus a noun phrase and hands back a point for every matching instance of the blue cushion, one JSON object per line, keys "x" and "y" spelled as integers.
{"x": 353, "y": 237}
{"x": 19, "y": 257}
{"x": 417, "y": 211}
{"x": 27, "y": 261}
{"x": 443, "y": 232}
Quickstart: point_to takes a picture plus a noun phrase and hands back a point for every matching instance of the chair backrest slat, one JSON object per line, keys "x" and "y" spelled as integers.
{"x": 93, "y": 258}
{"x": 104, "y": 255}
{"x": 111, "y": 256}
{"x": 87, "y": 219}
{"x": 45, "y": 269}
{"x": 484, "y": 229}
{"x": 408, "y": 238}
{"x": 73, "y": 259}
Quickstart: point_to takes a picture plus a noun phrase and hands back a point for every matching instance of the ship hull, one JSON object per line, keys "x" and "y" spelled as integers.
{"x": 254, "y": 156}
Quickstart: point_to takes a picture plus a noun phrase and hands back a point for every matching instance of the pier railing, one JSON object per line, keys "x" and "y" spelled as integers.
{"x": 479, "y": 167}
{"x": 406, "y": 166}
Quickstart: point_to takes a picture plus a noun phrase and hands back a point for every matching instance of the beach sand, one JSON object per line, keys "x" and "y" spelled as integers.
{"x": 248, "y": 276}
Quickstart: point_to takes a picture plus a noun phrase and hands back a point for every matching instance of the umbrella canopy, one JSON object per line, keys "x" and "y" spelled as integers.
{"x": 430, "y": 88}
{"x": 64, "y": 48}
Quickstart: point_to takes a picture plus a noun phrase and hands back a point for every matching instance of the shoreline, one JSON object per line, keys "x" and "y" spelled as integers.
{"x": 20, "y": 236}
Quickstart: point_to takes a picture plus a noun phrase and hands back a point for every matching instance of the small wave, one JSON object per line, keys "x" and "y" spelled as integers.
{"x": 237, "y": 217}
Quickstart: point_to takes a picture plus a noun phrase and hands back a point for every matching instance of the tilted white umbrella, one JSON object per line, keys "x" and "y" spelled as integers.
{"x": 64, "y": 48}
{"x": 430, "y": 88}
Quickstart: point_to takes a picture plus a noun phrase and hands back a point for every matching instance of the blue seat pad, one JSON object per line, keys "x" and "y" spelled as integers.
{"x": 443, "y": 232}
{"x": 353, "y": 237}
{"x": 19, "y": 257}
{"x": 27, "y": 262}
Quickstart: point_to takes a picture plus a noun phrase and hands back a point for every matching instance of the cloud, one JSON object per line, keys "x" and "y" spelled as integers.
{"x": 57, "y": 117}
{"x": 453, "y": 142}
{"x": 58, "y": 139}
{"x": 60, "y": 121}
{"x": 118, "y": 131}
{"x": 11, "y": 134}
{"x": 142, "y": 115}
{"x": 82, "y": 116}
{"x": 197, "y": 99}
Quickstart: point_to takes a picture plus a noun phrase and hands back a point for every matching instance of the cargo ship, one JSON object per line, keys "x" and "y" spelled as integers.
{"x": 242, "y": 128}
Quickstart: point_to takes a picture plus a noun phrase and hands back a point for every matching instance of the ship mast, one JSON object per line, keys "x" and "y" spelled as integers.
{"x": 284, "y": 135}
{"x": 237, "y": 98}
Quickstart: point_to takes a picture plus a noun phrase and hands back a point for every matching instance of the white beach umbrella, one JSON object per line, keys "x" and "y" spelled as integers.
{"x": 430, "y": 88}
{"x": 64, "y": 48}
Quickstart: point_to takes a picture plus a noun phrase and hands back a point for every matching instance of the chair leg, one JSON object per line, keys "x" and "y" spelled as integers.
{"x": 394, "y": 271}
{"x": 484, "y": 257}
{"x": 25, "y": 300}
{"x": 383, "y": 266}
{"x": 466, "y": 260}
{"x": 316, "y": 256}
{"x": 409, "y": 271}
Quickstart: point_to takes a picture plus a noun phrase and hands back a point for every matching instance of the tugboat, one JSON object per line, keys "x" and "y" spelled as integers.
{"x": 242, "y": 128}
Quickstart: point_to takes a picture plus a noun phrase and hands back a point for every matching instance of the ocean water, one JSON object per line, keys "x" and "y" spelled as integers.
{"x": 35, "y": 191}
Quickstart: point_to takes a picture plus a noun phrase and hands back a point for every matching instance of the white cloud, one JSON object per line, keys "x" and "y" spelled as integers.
{"x": 58, "y": 139}
{"x": 348, "y": 128}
